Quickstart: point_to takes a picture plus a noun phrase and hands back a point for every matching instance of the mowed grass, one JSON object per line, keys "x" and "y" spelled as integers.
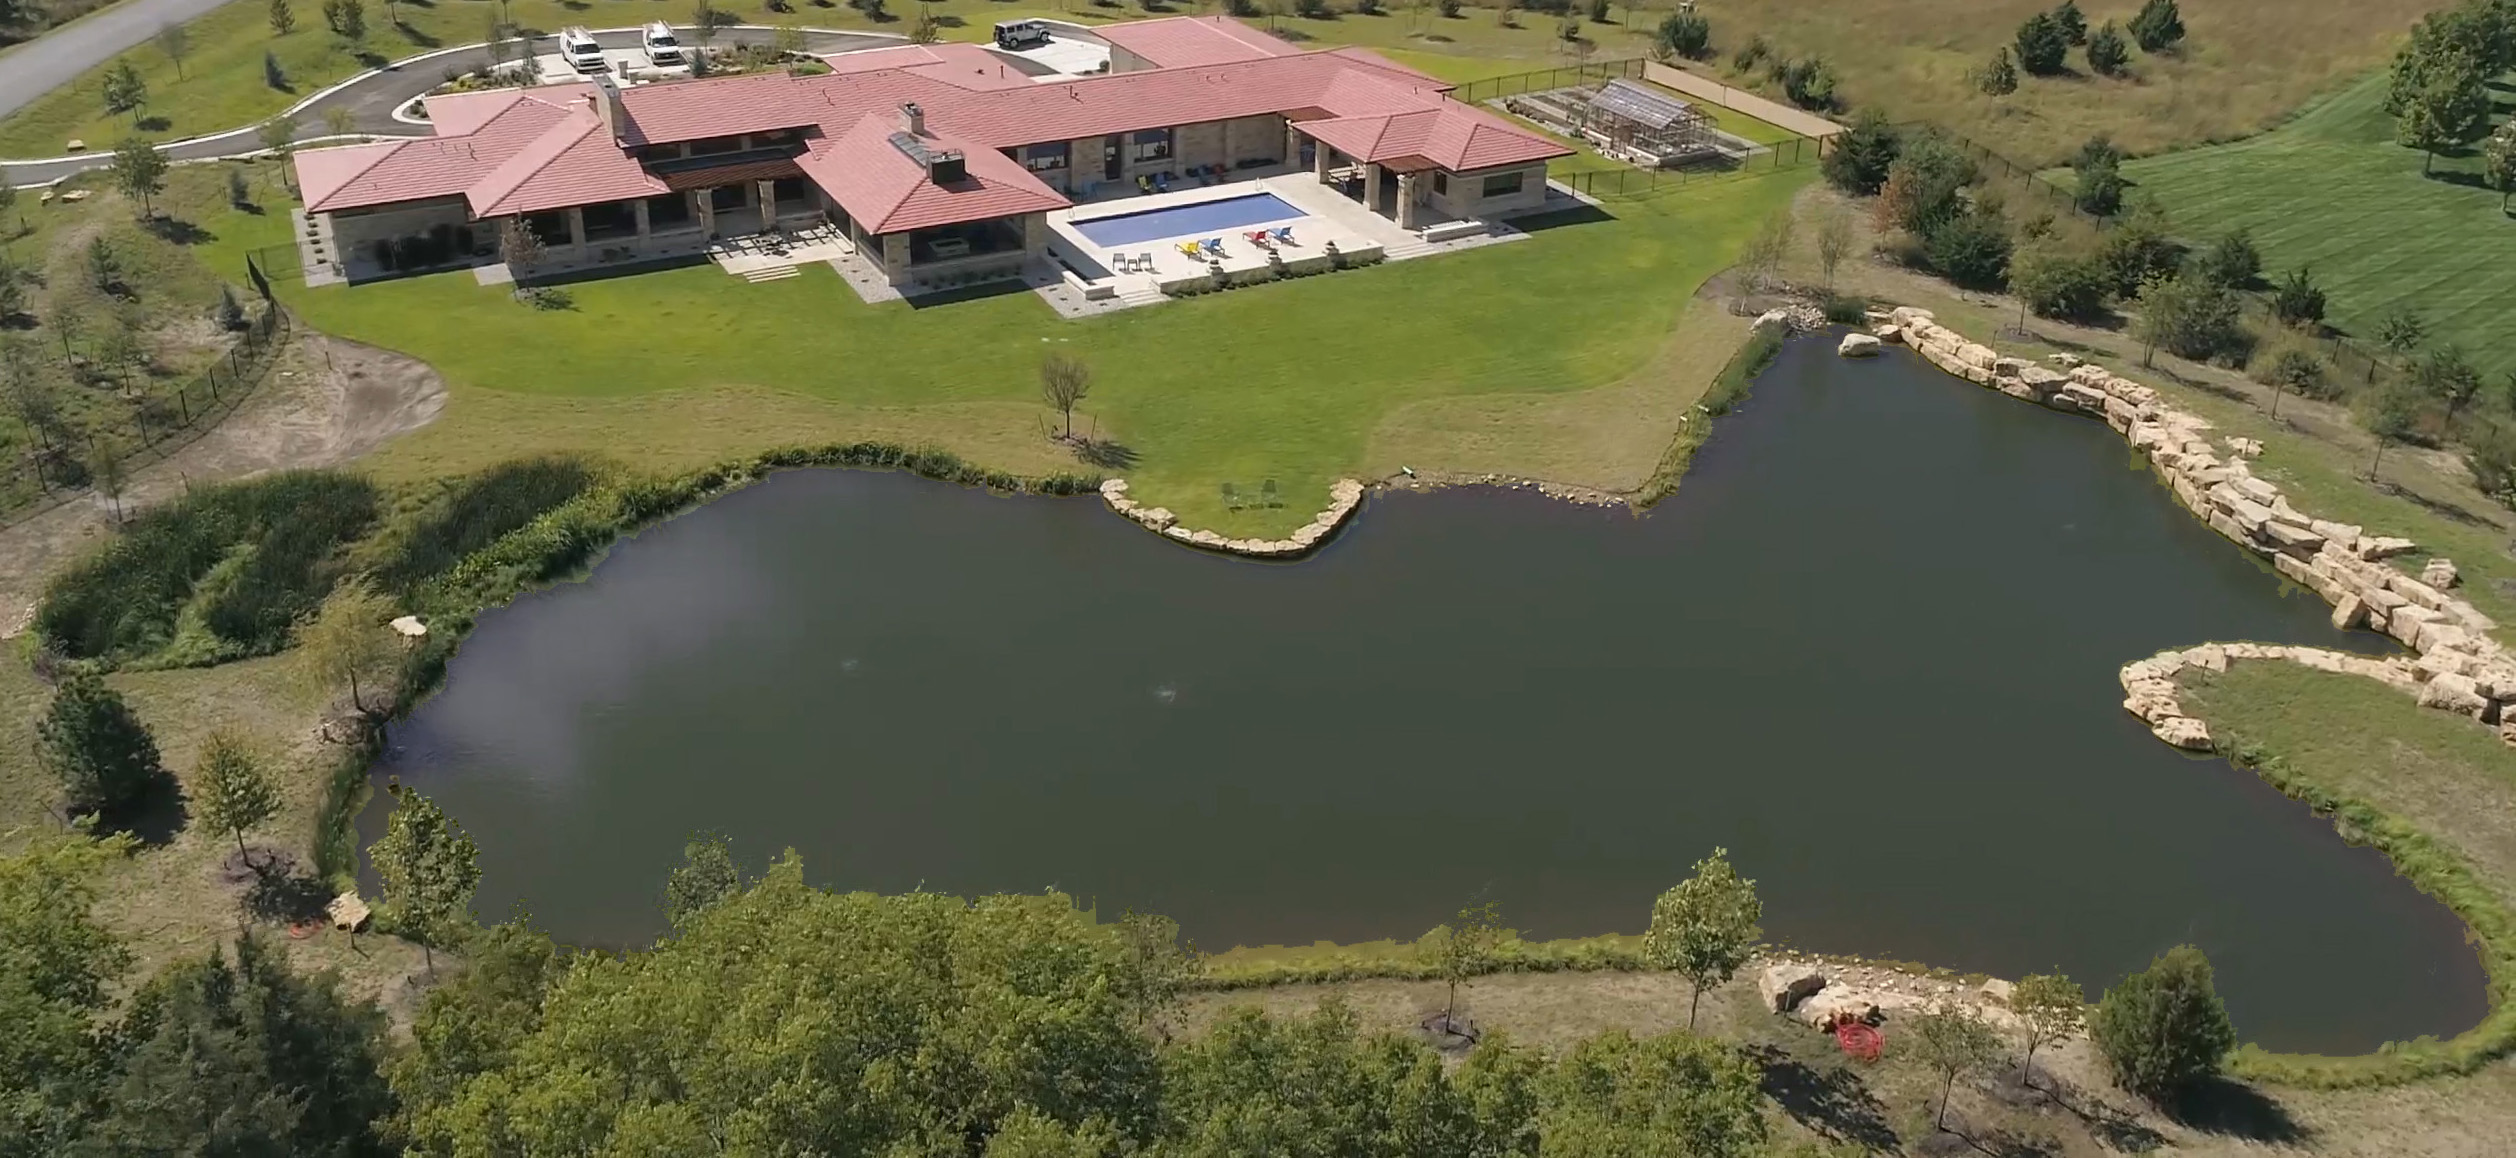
{"x": 2333, "y": 191}
{"x": 1287, "y": 381}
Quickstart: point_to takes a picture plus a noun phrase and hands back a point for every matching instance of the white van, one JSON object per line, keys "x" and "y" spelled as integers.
{"x": 577, "y": 47}
{"x": 662, "y": 50}
{"x": 1016, "y": 35}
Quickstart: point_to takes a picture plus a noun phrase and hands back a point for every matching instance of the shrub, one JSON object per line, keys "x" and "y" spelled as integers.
{"x": 2159, "y": 26}
{"x": 1845, "y": 309}
{"x": 1971, "y": 249}
{"x": 1999, "y": 78}
{"x": 2163, "y": 1029}
{"x": 1312, "y": 9}
{"x": 1862, "y": 155}
{"x": 2297, "y": 300}
{"x": 228, "y": 313}
{"x": 2233, "y": 261}
{"x": 2074, "y": 26}
{"x": 1809, "y": 83}
{"x": 2070, "y": 287}
{"x": 1602, "y": 12}
{"x": 2107, "y": 54}
{"x": 2098, "y": 174}
{"x": 244, "y": 559}
{"x": 2490, "y": 453}
{"x": 2295, "y": 370}
{"x": 2138, "y": 250}
{"x": 272, "y": 75}
{"x": 1685, "y": 34}
{"x": 1750, "y": 55}
{"x": 1924, "y": 184}
{"x": 1449, "y": 9}
{"x": 1361, "y": 7}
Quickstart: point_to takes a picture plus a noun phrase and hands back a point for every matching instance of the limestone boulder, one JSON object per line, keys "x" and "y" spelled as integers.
{"x": 2350, "y": 613}
{"x": 2454, "y": 693}
{"x": 1997, "y": 991}
{"x": 1857, "y": 346}
{"x": 2292, "y": 538}
{"x": 2495, "y": 678}
{"x": 1785, "y": 986}
{"x": 2440, "y": 573}
{"x": 2374, "y": 547}
{"x": 2183, "y": 732}
{"x": 1830, "y": 1006}
{"x": 1158, "y": 518}
{"x": 2341, "y": 533}
{"x": 1888, "y": 333}
{"x": 2245, "y": 447}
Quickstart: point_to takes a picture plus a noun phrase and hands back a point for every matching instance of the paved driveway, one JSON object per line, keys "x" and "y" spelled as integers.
{"x": 371, "y": 100}
{"x": 58, "y": 57}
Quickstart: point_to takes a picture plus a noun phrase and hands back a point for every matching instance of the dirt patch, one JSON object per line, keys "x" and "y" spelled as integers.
{"x": 327, "y": 402}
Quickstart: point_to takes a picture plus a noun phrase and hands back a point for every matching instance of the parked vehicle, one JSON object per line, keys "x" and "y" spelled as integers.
{"x": 1015, "y": 35}
{"x": 577, "y": 47}
{"x": 662, "y": 50}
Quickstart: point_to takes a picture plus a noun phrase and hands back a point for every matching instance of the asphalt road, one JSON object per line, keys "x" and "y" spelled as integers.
{"x": 371, "y": 100}
{"x": 60, "y": 56}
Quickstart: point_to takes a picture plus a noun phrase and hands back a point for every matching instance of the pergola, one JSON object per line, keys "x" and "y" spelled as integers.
{"x": 1643, "y": 123}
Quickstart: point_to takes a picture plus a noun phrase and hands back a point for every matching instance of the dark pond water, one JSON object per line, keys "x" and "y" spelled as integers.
{"x": 1870, "y": 646}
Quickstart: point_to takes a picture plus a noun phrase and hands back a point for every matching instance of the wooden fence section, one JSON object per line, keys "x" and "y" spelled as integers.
{"x": 1801, "y": 121}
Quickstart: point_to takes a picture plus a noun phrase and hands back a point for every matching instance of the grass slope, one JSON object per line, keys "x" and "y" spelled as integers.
{"x": 1282, "y": 382}
{"x": 2332, "y": 190}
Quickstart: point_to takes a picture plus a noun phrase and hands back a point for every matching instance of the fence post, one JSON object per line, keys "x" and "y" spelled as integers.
{"x": 183, "y": 405}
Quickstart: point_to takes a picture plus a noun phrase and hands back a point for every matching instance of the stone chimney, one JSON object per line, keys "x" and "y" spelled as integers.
{"x": 606, "y": 102}
{"x": 912, "y": 119}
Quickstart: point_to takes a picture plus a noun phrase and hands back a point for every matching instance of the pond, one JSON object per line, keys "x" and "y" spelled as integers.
{"x": 1870, "y": 646}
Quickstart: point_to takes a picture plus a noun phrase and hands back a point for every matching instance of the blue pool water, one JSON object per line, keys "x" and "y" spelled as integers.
{"x": 1203, "y": 219}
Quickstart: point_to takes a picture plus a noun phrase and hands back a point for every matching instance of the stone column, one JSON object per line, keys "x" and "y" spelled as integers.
{"x": 707, "y": 213}
{"x": 895, "y": 257}
{"x": 1371, "y": 186}
{"x": 1319, "y": 151}
{"x": 768, "y": 204}
{"x": 1292, "y": 144}
{"x": 646, "y": 226}
{"x": 576, "y": 226}
{"x": 1406, "y": 200}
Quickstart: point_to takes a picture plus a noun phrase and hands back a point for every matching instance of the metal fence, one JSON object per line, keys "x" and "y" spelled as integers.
{"x": 161, "y": 423}
{"x": 1634, "y": 184}
{"x": 1541, "y": 80}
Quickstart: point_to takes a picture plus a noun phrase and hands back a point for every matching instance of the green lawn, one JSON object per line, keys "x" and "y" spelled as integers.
{"x": 2333, "y": 191}
{"x": 221, "y": 84}
{"x": 1286, "y": 381}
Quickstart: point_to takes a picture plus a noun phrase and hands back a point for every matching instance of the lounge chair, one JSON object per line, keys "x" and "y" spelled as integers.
{"x": 1192, "y": 249}
{"x": 1232, "y": 500}
{"x": 1284, "y": 235}
{"x": 1144, "y": 184}
{"x": 1213, "y": 246}
{"x": 1257, "y": 237}
{"x": 1162, "y": 182}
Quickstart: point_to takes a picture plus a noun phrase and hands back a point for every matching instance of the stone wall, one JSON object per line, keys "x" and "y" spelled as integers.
{"x": 1344, "y": 497}
{"x": 2454, "y": 664}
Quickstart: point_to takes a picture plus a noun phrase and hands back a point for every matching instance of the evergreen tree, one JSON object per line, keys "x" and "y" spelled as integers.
{"x": 2000, "y": 78}
{"x": 246, "y": 1059}
{"x": 283, "y": 19}
{"x": 2297, "y": 300}
{"x": 2098, "y": 173}
{"x": 1685, "y": 34}
{"x": 2158, "y": 27}
{"x": 1861, "y": 155}
{"x": 2107, "y": 54}
{"x": 91, "y": 742}
{"x": 2074, "y": 26}
{"x": 2163, "y": 1029}
{"x": 2042, "y": 47}
{"x": 2233, "y": 261}
{"x": 232, "y": 794}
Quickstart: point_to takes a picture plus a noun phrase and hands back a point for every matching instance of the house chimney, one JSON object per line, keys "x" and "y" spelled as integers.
{"x": 606, "y": 101}
{"x": 912, "y": 119}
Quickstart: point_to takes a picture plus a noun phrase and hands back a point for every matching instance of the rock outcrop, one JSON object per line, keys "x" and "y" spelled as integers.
{"x": 1343, "y": 499}
{"x": 2453, "y": 664}
{"x": 1858, "y": 346}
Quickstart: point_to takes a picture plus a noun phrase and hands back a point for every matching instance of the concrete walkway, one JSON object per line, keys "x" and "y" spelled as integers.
{"x": 371, "y": 97}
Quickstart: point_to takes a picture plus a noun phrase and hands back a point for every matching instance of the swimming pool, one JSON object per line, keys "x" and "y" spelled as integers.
{"x": 1203, "y": 219}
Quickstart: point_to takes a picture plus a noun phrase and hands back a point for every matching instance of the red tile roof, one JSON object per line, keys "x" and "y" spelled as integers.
{"x": 539, "y": 149}
{"x": 1189, "y": 41}
{"x": 886, "y": 191}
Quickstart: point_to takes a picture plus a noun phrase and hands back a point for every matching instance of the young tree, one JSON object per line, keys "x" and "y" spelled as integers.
{"x": 139, "y": 171}
{"x": 283, "y": 18}
{"x": 2050, "y": 1008}
{"x": 105, "y": 473}
{"x": 353, "y": 25}
{"x": 92, "y": 743}
{"x": 1951, "y": 1040}
{"x": 2163, "y": 1029}
{"x": 232, "y": 793}
{"x": 2498, "y": 163}
{"x": 339, "y": 121}
{"x": 2399, "y": 333}
{"x": 239, "y": 191}
{"x": 279, "y": 136}
{"x": 2074, "y": 26}
{"x": 1064, "y": 381}
{"x": 346, "y": 641}
{"x": 125, "y": 90}
{"x": 520, "y": 249}
{"x": 2391, "y": 414}
{"x": 2443, "y": 374}
{"x": 429, "y": 868}
{"x": 2297, "y": 300}
{"x": 2098, "y": 170}
{"x": 705, "y": 876}
{"x": 104, "y": 268}
{"x": 1468, "y": 945}
{"x": 8, "y": 202}
{"x": 2054, "y": 283}
{"x": 176, "y": 44}
{"x": 2041, "y": 45}
{"x": 1834, "y": 243}
{"x": 1705, "y": 928}
{"x": 2107, "y": 54}
{"x": 273, "y": 76}
{"x": 2292, "y": 371}
{"x": 2233, "y": 261}
{"x": 1761, "y": 260}
{"x": 1999, "y": 78}
{"x": 2158, "y": 27}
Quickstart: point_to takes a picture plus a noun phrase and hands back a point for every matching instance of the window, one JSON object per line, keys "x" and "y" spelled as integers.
{"x": 1441, "y": 183}
{"x": 550, "y": 228}
{"x": 787, "y": 190}
{"x": 667, "y": 211}
{"x": 1151, "y": 144}
{"x": 1045, "y": 158}
{"x": 714, "y": 145}
{"x": 1506, "y": 184}
{"x": 725, "y": 197}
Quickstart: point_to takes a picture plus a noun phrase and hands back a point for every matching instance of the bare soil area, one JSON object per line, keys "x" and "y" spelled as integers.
{"x": 327, "y": 402}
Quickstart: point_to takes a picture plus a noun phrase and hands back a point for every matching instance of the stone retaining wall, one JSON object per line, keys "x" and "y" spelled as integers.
{"x": 2454, "y": 665}
{"x": 1344, "y": 497}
